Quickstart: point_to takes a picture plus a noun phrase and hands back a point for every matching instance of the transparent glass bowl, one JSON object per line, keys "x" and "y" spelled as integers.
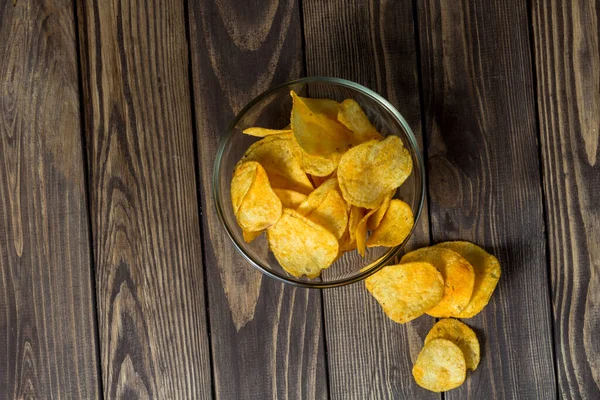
{"x": 272, "y": 110}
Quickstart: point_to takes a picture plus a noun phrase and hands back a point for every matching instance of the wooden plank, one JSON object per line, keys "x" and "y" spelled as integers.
{"x": 267, "y": 338}
{"x": 150, "y": 285}
{"x": 371, "y": 43}
{"x": 568, "y": 86}
{"x": 47, "y": 333}
{"x": 484, "y": 181}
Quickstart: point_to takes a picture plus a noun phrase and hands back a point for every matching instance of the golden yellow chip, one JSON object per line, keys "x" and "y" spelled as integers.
{"x": 356, "y": 215}
{"x": 361, "y": 233}
{"x": 250, "y": 236}
{"x": 353, "y": 118}
{"x": 346, "y": 243}
{"x": 440, "y": 366}
{"x": 458, "y": 278}
{"x": 326, "y": 207}
{"x": 316, "y": 132}
{"x": 290, "y": 198}
{"x": 260, "y": 207}
{"x": 487, "y": 273}
{"x": 301, "y": 246}
{"x": 406, "y": 291}
{"x": 376, "y": 218}
{"x": 318, "y": 180}
{"x": 368, "y": 172}
{"x": 281, "y": 159}
{"x": 459, "y": 334}
{"x": 394, "y": 227}
{"x": 242, "y": 179}
{"x": 263, "y": 132}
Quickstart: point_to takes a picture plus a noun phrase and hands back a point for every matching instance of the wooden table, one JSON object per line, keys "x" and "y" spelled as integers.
{"x": 116, "y": 279}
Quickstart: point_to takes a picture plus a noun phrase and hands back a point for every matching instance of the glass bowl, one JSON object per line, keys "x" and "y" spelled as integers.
{"x": 272, "y": 110}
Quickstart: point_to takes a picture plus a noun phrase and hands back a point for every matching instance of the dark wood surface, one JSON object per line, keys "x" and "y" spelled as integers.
{"x": 47, "y": 318}
{"x": 567, "y": 62}
{"x": 124, "y": 103}
{"x": 144, "y": 206}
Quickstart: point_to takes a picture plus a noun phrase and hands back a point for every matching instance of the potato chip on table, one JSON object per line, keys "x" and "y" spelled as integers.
{"x": 406, "y": 291}
{"x": 440, "y": 366}
{"x": 301, "y": 246}
{"x": 395, "y": 226}
{"x": 487, "y": 273}
{"x": 259, "y": 207}
{"x": 461, "y": 335}
{"x": 458, "y": 277}
{"x": 367, "y": 173}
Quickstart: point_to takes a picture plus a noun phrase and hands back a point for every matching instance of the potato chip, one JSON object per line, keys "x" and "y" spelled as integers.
{"x": 458, "y": 278}
{"x": 318, "y": 180}
{"x": 394, "y": 227}
{"x": 290, "y": 198}
{"x": 368, "y": 172}
{"x": 376, "y": 218}
{"x": 356, "y": 215}
{"x": 326, "y": 207}
{"x": 242, "y": 179}
{"x": 301, "y": 246}
{"x": 361, "y": 233}
{"x": 260, "y": 207}
{"x": 281, "y": 159}
{"x": 316, "y": 133}
{"x": 346, "y": 243}
{"x": 406, "y": 291}
{"x": 459, "y": 334}
{"x": 440, "y": 366}
{"x": 250, "y": 236}
{"x": 263, "y": 132}
{"x": 353, "y": 118}
{"x": 487, "y": 274}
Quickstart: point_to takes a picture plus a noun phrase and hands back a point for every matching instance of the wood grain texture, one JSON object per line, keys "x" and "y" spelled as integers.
{"x": 371, "y": 43}
{"x": 567, "y": 55}
{"x": 266, "y": 337}
{"x": 47, "y": 333}
{"x": 150, "y": 286}
{"x": 484, "y": 181}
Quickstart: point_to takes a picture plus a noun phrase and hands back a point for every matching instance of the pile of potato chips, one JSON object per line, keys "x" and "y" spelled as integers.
{"x": 450, "y": 279}
{"x": 318, "y": 186}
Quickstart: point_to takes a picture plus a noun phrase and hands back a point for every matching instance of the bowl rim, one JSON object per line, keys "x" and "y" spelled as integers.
{"x": 365, "y": 271}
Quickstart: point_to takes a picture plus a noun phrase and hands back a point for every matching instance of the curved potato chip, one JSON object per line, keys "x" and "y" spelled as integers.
{"x": 376, "y": 218}
{"x": 487, "y": 273}
{"x": 318, "y": 180}
{"x": 319, "y": 165}
{"x": 458, "y": 278}
{"x": 440, "y": 366}
{"x": 368, "y": 172}
{"x": 290, "y": 198}
{"x": 394, "y": 227}
{"x": 250, "y": 236}
{"x": 301, "y": 246}
{"x": 459, "y": 334}
{"x": 356, "y": 215}
{"x": 326, "y": 207}
{"x": 406, "y": 291}
{"x": 361, "y": 233}
{"x": 281, "y": 160}
{"x": 263, "y": 132}
{"x": 346, "y": 244}
{"x": 242, "y": 179}
{"x": 354, "y": 118}
{"x": 260, "y": 207}
{"x": 315, "y": 131}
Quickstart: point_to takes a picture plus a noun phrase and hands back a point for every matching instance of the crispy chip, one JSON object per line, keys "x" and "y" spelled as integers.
{"x": 406, "y": 291}
{"x": 326, "y": 207}
{"x": 346, "y": 243}
{"x": 316, "y": 132}
{"x": 301, "y": 246}
{"x": 250, "y": 236}
{"x": 263, "y": 132}
{"x": 353, "y": 118}
{"x": 242, "y": 179}
{"x": 290, "y": 198}
{"x": 458, "y": 278}
{"x": 260, "y": 207}
{"x": 361, "y": 233}
{"x": 487, "y": 274}
{"x": 368, "y": 172}
{"x": 376, "y": 218}
{"x": 318, "y": 180}
{"x": 440, "y": 366}
{"x": 281, "y": 159}
{"x": 356, "y": 215}
{"x": 459, "y": 334}
{"x": 394, "y": 227}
